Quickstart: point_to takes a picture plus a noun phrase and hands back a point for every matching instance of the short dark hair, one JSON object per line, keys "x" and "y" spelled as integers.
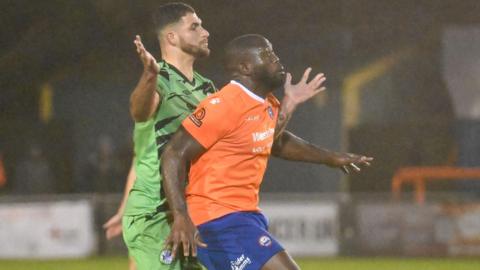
{"x": 237, "y": 49}
{"x": 170, "y": 13}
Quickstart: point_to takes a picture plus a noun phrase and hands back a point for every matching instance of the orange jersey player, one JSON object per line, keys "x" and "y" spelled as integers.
{"x": 227, "y": 177}
{"x": 227, "y": 142}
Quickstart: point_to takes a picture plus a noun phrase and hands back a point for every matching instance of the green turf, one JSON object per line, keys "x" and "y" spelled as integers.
{"x": 306, "y": 264}
{"x": 389, "y": 264}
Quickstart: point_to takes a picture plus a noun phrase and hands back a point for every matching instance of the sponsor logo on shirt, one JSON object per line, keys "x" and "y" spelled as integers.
{"x": 240, "y": 263}
{"x": 261, "y": 136}
{"x": 197, "y": 117}
{"x": 265, "y": 241}
{"x": 215, "y": 101}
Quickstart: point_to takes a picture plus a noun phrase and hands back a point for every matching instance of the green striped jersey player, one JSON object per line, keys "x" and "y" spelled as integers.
{"x": 180, "y": 97}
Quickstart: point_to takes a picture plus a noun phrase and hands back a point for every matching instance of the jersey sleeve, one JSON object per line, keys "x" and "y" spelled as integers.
{"x": 212, "y": 120}
{"x": 162, "y": 85}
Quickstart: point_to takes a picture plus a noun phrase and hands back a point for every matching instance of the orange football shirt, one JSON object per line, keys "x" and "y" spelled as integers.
{"x": 237, "y": 129}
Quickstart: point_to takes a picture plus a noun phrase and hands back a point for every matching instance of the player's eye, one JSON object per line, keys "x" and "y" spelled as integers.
{"x": 194, "y": 26}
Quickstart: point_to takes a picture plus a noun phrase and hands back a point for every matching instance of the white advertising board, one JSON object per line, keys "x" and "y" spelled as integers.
{"x": 47, "y": 230}
{"x": 463, "y": 229}
{"x": 304, "y": 228}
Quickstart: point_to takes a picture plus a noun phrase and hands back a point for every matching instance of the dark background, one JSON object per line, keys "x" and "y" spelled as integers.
{"x": 84, "y": 50}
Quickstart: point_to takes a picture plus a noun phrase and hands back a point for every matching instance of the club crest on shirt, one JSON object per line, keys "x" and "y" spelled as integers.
{"x": 166, "y": 256}
{"x": 197, "y": 117}
{"x": 270, "y": 112}
{"x": 265, "y": 241}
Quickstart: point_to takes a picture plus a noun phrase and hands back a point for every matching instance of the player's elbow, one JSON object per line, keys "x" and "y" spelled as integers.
{"x": 137, "y": 113}
{"x": 142, "y": 108}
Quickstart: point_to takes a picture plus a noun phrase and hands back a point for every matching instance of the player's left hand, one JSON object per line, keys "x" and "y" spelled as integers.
{"x": 113, "y": 227}
{"x": 304, "y": 89}
{"x": 295, "y": 94}
{"x": 349, "y": 162}
{"x": 183, "y": 233}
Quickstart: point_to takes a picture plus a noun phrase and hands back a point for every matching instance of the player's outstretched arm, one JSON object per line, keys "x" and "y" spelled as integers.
{"x": 290, "y": 147}
{"x": 113, "y": 227}
{"x": 178, "y": 154}
{"x": 295, "y": 94}
{"x": 144, "y": 99}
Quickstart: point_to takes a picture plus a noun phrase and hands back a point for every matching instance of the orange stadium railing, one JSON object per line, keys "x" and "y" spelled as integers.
{"x": 418, "y": 176}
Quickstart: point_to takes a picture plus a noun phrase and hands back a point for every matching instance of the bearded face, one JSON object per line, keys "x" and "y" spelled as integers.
{"x": 271, "y": 76}
{"x": 268, "y": 68}
{"x": 198, "y": 49}
{"x": 192, "y": 37}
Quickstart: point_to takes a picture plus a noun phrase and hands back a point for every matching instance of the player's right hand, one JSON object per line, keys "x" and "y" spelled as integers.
{"x": 184, "y": 233}
{"x": 149, "y": 62}
{"x": 113, "y": 227}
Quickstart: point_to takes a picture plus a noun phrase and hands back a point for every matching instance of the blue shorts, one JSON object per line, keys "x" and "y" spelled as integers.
{"x": 237, "y": 241}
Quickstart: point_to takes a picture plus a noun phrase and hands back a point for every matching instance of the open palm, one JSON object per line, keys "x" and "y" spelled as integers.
{"x": 149, "y": 62}
{"x": 304, "y": 90}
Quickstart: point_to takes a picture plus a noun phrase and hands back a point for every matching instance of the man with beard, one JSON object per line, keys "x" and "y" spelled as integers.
{"x": 227, "y": 142}
{"x": 167, "y": 92}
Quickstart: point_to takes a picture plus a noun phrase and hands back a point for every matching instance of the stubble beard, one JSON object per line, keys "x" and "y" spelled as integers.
{"x": 273, "y": 82}
{"x": 196, "y": 51}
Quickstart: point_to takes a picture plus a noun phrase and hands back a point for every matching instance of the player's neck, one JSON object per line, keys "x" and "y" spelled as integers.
{"x": 182, "y": 61}
{"x": 256, "y": 88}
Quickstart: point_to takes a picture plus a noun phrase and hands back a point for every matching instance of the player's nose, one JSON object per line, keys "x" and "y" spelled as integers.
{"x": 205, "y": 34}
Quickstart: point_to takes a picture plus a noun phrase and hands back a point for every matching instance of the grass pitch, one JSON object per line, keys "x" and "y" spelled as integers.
{"x": 115, "y": 263}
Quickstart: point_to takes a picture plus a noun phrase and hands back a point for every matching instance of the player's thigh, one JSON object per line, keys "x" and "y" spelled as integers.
{"x": 281, "y": 261}
{"x": 237, "y": 241}
{"x": 145, "y": 237}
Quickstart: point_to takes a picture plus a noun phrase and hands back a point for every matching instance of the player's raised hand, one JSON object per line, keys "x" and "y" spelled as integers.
{"x": 304, "y": 89}
{"x": 348, "y": 162}
{"x": 295, "y": 94}
{"x": 113, "y": 227}
{"x": 184, "y": 233}
{"x": 149, "y": 62}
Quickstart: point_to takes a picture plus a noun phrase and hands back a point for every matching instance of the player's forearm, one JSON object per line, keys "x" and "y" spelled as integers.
{"x": 143, "y": 97}
{"x": 287, "y": 107}
{"x": 290, "y": 147}
{"x": 174, "y": 171}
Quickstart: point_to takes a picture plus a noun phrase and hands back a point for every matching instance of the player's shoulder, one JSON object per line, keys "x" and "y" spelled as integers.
{"x": 226, "y": 99}
{"x": 165, "y": 72}
{"x": 200, "y": 77}
{"x": 231, "y": 93}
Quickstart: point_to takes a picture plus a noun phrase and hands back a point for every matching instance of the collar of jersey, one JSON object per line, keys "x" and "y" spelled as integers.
{"x": 250, "y": 93}
{"x": 176, "y": 70}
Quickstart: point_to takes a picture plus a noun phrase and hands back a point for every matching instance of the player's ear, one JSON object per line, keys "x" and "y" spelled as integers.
{"x": 171, "y": 37}
{"x": 245, "y": 68}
